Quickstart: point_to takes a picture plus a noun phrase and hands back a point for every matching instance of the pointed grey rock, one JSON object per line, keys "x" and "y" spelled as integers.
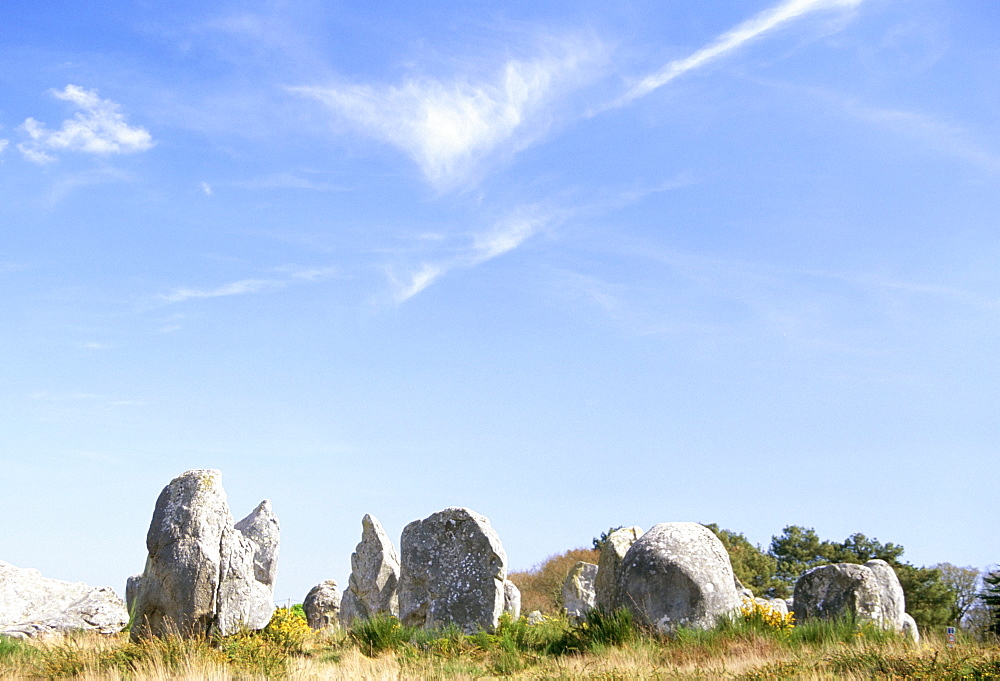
{"x": 371, "y": 589}
{"x": 511, "y": 599}
{"x": 578, "y": 591}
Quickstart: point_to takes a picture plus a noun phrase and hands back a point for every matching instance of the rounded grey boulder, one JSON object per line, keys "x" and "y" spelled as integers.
{"x": 841, "y": 590}
{"x": 322, "y": 605}
{"x": 678, "y": 574}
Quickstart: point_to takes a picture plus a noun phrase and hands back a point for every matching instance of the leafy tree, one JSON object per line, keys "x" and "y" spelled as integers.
{"x": 860, "y": 549}
{"x": 796, "y": 550}
{"x": 965, "y": 583}
{"x": 599, "y": 542}
{"x": 929, "y": 599}
{"x": 991, "y": 598}
{"x": 753, "y": 567}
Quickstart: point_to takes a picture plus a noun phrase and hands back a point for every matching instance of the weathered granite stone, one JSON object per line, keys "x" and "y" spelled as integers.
{"x": 535, "y": 617}
{"x": 371, "y": 589}
{"x": 578, "y": 591}
{"x": 511, "y": 599}
{"x": 132, "y": 585}
{"x": 201, "y": 572}
{"x": 778, "y": 604}
{"x": 890, "y": 593}
{"x": 262, "y": 527}
{"x": 32, "y": 605}
{"x": 452, "y": 571}
{"x": 909, "y": 628}
{"x": 678, "y": 574}
{"x": 322, "y": 605}
{"x": 606, "y": 583}
{"x": 841, "y": 590}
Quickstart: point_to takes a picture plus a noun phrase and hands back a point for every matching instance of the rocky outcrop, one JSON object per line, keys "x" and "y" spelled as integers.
{"x": 452, "y": 571}
{"x": 841, "y": 590}
{"x": 322, "y": 605}
{"x": 578, "y": 591}
{"x": 203, "y": 574}
{"x": 511, "y": 599}
{"x": 371, "y": 589}
{"x": 609, "y": 564}
{"x": 678, "y": 574}
{"x": 36, "y": 606}
{"x": 890, "y": 593}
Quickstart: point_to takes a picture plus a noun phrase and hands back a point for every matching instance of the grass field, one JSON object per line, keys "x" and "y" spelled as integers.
{"x": 604, "y": 647}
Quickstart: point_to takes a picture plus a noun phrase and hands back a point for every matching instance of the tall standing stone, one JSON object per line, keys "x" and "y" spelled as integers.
{"x": 452, "y": 571}
{"x": 890, "y": 593}
{"x": 371, "y": 589}
{"x": 201, "y": 572}
{"x": 678, "y": 574}
{"x": 578, "y": 591}
{"x": 615, "y": 547}
{"x": 511, "y": 599}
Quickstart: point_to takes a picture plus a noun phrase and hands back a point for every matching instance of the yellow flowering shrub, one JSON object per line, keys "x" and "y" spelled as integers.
{"x": 762, "y": 616}
{"x": 288, "y": 629}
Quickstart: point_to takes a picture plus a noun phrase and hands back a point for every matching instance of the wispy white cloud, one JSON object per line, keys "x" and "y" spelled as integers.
{"x": 449, "y": 126}
{"x": 291, "y": 274}
{"x": 732, "y": 40}
{"x": 206, "y": 189}
{"x": 946, "y": 138}
{"x": 506, "y": 235}
{"x": 289, "y": 181}
{"x": 236, "y": 288}
{"x": 98, "y": 127}
{"x": 3, "y": 144}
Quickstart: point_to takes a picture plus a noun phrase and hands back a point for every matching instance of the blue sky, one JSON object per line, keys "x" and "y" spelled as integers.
{"x": 571, "y": 265}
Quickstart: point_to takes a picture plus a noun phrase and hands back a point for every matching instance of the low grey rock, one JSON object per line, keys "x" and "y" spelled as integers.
{"x": 841, "y": 590}
{"x": 578, "y": 591}
{"x": 678, "y": 574}
{"x": 608, "y": 565}
{"x": 890, "y": 594}
{"x": 511, "y": 599}
{"x": 909, "y": 628}
{"x": 201, "y": 572}
{"x": 372, "y": 587}
{"x": 322, "y": 605}
{"x": 36, "y": 606}
{"x": 452, "y": 571}
{"x": 535, "y": 617}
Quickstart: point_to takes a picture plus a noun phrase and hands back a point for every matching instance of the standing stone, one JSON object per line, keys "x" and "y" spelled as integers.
{"x": 35, "y": 606}
{"x": 890, "y": 593}
{"x": 262, "y": 527}
{"x": 678, "y": 574}
{"x": 132, "y": 585}
{"x": 909, "y": 628}
{"x": 452, "y": 571}
{"x": 841, "y": 590}
{"x": 371, "y": 589}
{"x": 608, "y": 565}
{"x": 201, "y": 572}
{"x": 511, "y": 599}
{"x": 322, "y": 605}
{"x": 578, "y": 591}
